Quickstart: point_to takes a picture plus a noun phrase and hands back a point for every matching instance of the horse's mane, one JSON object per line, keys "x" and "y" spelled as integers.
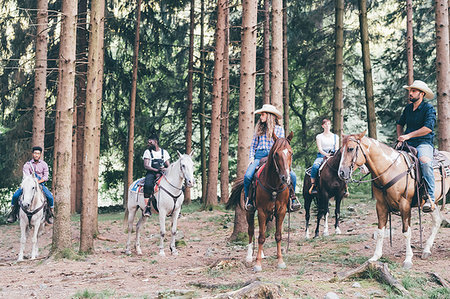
{"x": 279, "y": 143}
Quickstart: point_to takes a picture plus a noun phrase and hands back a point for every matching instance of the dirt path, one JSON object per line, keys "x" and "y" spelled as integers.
{"x": 209, "y": 265}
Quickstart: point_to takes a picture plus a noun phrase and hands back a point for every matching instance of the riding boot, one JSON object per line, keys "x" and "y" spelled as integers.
{"x": 148, "y": 208}
{"x": 49, "y": 216}
{"x": 346, "y": 194}
{"x": 249, "y": 206}
{"x": 12, "y": 217}
{"x": 313, "y": 190}
{"x": 294, "y": 205}
{"x": 429, "y": 205}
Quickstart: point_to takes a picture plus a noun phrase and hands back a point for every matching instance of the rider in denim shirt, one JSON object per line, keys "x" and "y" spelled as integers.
{"x": 420, "y": 118}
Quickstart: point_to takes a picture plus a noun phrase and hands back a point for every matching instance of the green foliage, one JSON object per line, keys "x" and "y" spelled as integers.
{"x": 85, "y": 294}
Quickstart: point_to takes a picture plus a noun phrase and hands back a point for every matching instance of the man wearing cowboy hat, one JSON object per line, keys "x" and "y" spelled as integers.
{"x": 420, "y": 118}
{"x": 267, "y": 125}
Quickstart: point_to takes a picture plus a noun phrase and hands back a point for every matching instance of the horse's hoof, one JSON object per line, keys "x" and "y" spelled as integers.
{"x": 249, "y": 259}
{"x": 282, "y": 266}
{"x": 407, "y": 265}
{"x": 426, "y": 255}
{"x": 307, "y": 237}
{"x": 326, "y": 234}
{"x": 257, "y": 268}
{"x": 161, "y": 253}
{"x": 338, "y": 231}
{"x": 20, "y": 259}
{"x": 373, "y": 259}
{"x": 174, "y": 252}
{"x": 262, "y": 255}
{"x": 128, "y": 252}
{"x": 139, "y": 252}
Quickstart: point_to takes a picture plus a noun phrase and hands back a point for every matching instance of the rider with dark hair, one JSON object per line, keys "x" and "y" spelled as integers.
{"x": 40, "y": 169}
{"x": 156, "y": 161}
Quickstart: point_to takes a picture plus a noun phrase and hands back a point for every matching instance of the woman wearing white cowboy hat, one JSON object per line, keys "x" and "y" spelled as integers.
{"x": 262, "y": 142}
{"x": 420, "y": 118}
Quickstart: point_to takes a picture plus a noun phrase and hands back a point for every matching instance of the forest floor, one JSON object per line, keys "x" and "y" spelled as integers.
{"x": 209, "y": 265}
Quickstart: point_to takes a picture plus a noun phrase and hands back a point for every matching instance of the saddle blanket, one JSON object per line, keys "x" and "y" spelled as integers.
{"x": 138, "y": 186}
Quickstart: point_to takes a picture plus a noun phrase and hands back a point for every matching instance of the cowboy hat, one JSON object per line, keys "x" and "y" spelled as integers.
{"x": 422, "y": 86}
{"x": 269, "y": 109}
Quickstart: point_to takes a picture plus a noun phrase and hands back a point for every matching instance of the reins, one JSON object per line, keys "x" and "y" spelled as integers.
{"x": 32, "y": 213}
{"x": 174, "y": 197}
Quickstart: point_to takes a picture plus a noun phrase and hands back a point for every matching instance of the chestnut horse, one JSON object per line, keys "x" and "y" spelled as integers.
{"x": 393, "y": 186}
{"x": 271, "y": 198}
{"x": 330, "y": 185}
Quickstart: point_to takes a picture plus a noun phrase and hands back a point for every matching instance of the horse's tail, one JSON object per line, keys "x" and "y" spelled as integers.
{"x": 235, "y": 196}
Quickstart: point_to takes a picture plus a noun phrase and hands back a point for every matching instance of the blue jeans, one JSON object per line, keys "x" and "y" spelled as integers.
{"x": 426, "y": 150}
{"x": 47, "y": 193}
{"x": 316, "y": 165}
{"x": 252, "y": 167}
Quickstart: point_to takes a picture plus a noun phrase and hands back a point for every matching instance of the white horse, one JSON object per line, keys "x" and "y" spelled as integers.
{"x": 31, "y": 213}
{"x": 169, "y": 198}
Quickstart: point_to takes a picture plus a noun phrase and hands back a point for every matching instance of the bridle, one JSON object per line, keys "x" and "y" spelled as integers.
{"x": 28, "y": 213}
{"x": 274, "y": 191}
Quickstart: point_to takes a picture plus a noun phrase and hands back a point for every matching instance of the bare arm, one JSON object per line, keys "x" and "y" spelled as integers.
{"x": 148, "y": 166}
{"x": 417, "y": 133}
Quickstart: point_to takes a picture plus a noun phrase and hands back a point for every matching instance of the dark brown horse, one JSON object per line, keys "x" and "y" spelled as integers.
{"x": 393, "y": 186}
{"x": 330, "y": 185}
{"x": 271, "y": 198}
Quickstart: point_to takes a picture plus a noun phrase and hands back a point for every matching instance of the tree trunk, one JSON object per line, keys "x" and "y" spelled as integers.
{"x": 266, "y": 95}
{"x": 285, "y": 72}
{"x": 246, "y": 100}
{"x": 133, "y": 104}
{"x": 80, "y": 79}
{"x": 367, "y": 69}
{"x": 214, "y": 143}
{"x": 442, "y": 73}
{"x": 277, "y": 55}
{"x": 409, "y": 43}
{"x": 40, "y": 77}
{"x": 202, "y": 100}
{"x": 91, "y": 152}
{"x": 187, "y": 192}
{"x": 338, "y": 105}
{"x": 224, "y": 173}
{"x": 62, "y": 235}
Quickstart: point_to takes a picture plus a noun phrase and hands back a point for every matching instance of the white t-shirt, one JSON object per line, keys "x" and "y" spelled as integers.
{"x": 156, "y": 155}
{"x": 329, "y": 142}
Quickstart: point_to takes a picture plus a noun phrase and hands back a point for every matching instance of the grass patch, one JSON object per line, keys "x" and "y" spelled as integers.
{"x": 241, "y": 240}
{"x": 91, "y": 294}
{"x": 70, "y": 254}
{"x": 410, "y": 282}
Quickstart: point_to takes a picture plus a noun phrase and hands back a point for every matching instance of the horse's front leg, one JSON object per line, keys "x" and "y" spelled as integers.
{"x": 405, "y": 211}
{"x": 162, "y": 230}
{"x": 308, "y": 200}
{"x": 172, "y": 247}
{"x": 34, "y": 239}
{"x": 251, "y": 233}
{"x": 382, "y": 214}
{"x": 337, "y": 214}
{"x": 326, "y": 233}
{"x": 131, "y": 214}
{"x": 437, "y": 220}
{"x": 261, "y": 239}
{"x": 278, "y": 237}
{"x": 23, "y": 238}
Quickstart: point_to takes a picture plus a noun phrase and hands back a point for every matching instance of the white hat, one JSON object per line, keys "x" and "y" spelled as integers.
{"x": 422, "y": 86}
{"x": 269, "y": 109}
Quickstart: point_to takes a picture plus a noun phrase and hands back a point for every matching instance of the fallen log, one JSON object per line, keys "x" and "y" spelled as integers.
{"x": 383, "y": 275}
{"x": 223, "y": 285}
{"x": 440, "y": 280}
{"x": 255, "y": 290}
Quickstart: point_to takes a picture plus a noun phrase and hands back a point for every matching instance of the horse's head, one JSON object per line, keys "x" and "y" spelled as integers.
{"x": 281, "y": 154}
{"x": 29, "y": 188}
{"x": 352, "y": 155}
{"x": 187, "y": 168}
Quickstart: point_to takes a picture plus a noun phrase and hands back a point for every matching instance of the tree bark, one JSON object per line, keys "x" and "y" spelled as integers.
{"x": 202, "y": 100}
{"x": 214, "y": 143}
{"x": 266, "y": 95}
{"x": 409, "y": 43}
{"x": 40, "y": 77}
{"x": 442, "y": 73}
{"x": 224, "y": 173}
{"x": 277, "y": 55}
{"x": 91, "y": 131}
{"x": 190, "y": 90}
{"x": 367, "y": 69}
{"x": 285, "y": 72}
{"x": 80, "y": 79}
{"x": 133, "y": 104}
{"x": 62, "y": 235}
{"x": 338, "y": 105}
{"x": 246, "y": 100}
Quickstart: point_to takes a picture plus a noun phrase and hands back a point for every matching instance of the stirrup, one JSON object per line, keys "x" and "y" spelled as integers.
{"x": 428, "y": 206}
{"x": 249, "y": 206}
{"x": 294, "y": 205}
{"x": 313, "y": 190}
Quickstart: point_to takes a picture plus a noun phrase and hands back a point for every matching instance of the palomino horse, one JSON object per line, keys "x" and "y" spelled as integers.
{"x": 169, "y": 198}
{"x": 31, "y": 214}
{"x": 272, "y": 198}
{"x": 392, "y": 185}
{"x": 330, "y": 185}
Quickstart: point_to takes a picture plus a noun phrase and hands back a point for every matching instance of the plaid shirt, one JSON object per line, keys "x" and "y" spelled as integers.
{"x": 263, "y": 142}
{"x": 40, "y": 168}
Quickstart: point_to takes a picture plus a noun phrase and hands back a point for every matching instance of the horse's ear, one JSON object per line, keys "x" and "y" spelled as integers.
{"x": 179, "y": 154}
{"x": 361, "y": 135}
{"x": 289, "y": 138}
{"x": 192, "y": 153}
